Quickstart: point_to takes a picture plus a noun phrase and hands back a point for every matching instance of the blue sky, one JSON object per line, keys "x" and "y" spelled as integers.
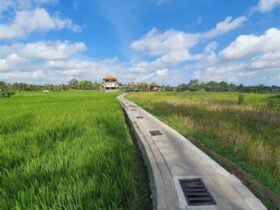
{"x": 170, "y": 42}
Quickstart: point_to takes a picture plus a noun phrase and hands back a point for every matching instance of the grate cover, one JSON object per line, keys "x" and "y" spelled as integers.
{"x": 139, "y": 117}
{"x": 155, "y": 133}
{"x": 133, "y": 109}
{"x": 196, "y": 193}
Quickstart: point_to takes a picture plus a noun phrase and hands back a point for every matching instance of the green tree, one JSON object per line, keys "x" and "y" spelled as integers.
{"x": 3, "y": 86}
{"x": 5, "y": 89}
{"x": 194, "y": 85}
{"x": 85, "y": 85}
{"x": 96, "y": 86}
{"x": 73, "y": 83}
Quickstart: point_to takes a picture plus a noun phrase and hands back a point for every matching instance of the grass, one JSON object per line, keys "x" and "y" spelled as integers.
{"x": 245, "y": 133}
{"x": 68, "y": 150}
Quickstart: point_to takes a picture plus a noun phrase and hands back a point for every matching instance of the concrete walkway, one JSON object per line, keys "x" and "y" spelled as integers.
{"x": 170, "y": 157}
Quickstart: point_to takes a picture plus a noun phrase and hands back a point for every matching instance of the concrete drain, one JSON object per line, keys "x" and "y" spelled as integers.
{"x": 196, "y": 193}
{"x": 155, "y": 133}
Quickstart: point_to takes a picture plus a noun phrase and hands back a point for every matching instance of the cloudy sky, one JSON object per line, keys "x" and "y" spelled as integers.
{"x": 167, "y": 41}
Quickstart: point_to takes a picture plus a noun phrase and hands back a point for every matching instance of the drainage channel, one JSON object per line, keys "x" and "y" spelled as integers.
{"x": 196, "y": 193}
{"x": 146, "y": 172}
{"x": 155, "y": 133}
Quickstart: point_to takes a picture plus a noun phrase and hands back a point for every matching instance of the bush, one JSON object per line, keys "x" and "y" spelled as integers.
{"x": 274, "y": 102}
{"x": 6, "y": 93}
{"x": 241, "y": 99}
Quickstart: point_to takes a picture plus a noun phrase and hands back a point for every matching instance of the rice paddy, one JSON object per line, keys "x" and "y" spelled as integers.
{"x": 68, "y": 150}
{"x": 73, "y": 150}
{"x": 246, "y": 132}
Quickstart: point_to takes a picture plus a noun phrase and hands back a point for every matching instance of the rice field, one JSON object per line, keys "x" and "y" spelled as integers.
{"x": 68, "y": 150}
{"x": 245, "y": 132}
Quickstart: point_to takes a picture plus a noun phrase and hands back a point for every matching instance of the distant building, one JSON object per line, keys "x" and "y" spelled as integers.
{"x": 131, "y": 86}
{"x": 110, "y": 84}
{"x": 154, "y": 86}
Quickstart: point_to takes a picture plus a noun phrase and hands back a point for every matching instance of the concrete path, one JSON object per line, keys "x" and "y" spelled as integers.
{"x": 170, "y": 157}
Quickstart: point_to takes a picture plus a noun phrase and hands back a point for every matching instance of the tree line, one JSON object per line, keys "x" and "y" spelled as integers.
{"x": 196, "y": 85}
{"x": 72, "y": 84}
{"x": 7, "y": 89}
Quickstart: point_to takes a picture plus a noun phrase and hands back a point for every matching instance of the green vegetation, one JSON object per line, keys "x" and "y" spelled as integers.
{"x": 68, "y": 150}
{"x": 241, "y": 99}
{"x": 5, "y": 90}
{"x": 244, "y": 129}
{"x": 72, "y": 84}
{"x": 196, "y": 85}
{"x": 193, "y": 85}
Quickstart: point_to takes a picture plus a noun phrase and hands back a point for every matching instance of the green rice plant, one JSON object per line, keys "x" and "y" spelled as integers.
{"x": 68, "y": 150}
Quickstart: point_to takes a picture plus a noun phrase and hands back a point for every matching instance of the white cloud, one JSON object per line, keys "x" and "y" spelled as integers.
{"x": 238, "y": 73}
{"x": 60, "y": 61}
{"x": 57, "y": 67}
{"x": 53, "y": 62}
{"x": 162, "y": 72}
{"x": 138, "y": 67}
{"x": 157, "y": 43}
{"x": 68, "y": 64}
{"x": 171, "y": 47}
{"x": 269, "y": 60}
{"x": 173, "y": 58}
{"x": 31, "y": 76}
{"x": 212, "y": 46}
{"x": 62, "y": 71}
{"x": 225, "y": 26}
{"x": 219, "y": 72}
{"x": 265, "y": 6}
{"x": 26, "y": 22}
{"x": 48, "y": 58}
{"x": 12, "y": 62}
{"x": 51, "y": 50}
{"x": 22, "y": 4}
{"x": 251, "y": 45}
{"x": 72, "y": 72}
{"x": 249, "y": 56}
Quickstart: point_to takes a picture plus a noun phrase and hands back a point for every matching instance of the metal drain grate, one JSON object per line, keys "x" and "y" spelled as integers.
{"x": 133, "y": 109}
{"x": 196, "y": 193}
{"x": 155, "y": 133}
{"x": 139, "y": 117}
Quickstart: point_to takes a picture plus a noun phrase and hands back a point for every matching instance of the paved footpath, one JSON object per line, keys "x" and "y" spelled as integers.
{"x": 181, "y": 175}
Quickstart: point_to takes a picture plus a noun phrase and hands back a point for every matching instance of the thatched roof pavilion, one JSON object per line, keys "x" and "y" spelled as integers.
{"x": 109, "y": 77}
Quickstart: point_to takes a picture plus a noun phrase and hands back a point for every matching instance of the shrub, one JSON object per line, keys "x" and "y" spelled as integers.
{"x": 274, "y": 102}
{"x": 6, "y": 93}
{"x": 241, "y": 99}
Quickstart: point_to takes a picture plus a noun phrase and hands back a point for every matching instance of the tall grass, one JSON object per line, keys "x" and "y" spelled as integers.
{"x": 68, "y": 150}
{"x": 247, "y": 134}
